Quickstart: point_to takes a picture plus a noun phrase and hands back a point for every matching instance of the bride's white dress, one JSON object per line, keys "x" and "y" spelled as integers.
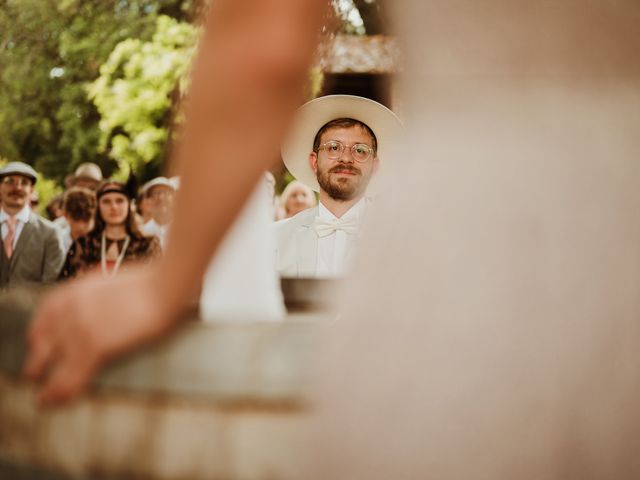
{"x": 241, "y": 283}
{"x": 493, "y": 328}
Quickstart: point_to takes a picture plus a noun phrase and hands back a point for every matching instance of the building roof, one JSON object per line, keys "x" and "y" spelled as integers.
{"x": 360, "y": 54}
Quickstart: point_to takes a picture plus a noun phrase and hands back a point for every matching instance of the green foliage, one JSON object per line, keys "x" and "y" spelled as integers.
{"x": 47, "y": 189}
{"x": 135, "y": 91}
{"x": 349, "y": 14}
{"x": 49, "y": 51}
{"x": 316, "y": 79}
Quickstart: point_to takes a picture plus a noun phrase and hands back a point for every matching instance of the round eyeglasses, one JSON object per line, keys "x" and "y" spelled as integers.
{"x": 360, "y": 152}
{"x": 17, "y": 181}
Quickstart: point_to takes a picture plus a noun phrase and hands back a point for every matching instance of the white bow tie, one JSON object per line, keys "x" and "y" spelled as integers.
{"x": 324, "y": 228}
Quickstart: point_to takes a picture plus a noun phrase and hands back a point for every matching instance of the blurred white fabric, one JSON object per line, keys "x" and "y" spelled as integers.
{"x": 241, "y": 283}
{"x": 491, "y": 329}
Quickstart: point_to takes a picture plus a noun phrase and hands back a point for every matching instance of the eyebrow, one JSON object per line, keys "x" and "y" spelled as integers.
{"x": 340, "y": 141}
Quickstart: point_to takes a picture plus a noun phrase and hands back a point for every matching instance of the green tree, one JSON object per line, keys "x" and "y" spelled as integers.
{"x": 49, "y": 51}
{"x": 136, "y": 91}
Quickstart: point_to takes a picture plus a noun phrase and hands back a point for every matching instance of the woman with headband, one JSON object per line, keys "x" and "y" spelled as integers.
{"x": 115, "y": 238}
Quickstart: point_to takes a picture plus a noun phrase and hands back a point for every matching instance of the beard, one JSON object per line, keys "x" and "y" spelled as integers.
{"x": 343, "y": 188}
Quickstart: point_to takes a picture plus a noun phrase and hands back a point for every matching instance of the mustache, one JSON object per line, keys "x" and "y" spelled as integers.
{"x": 344, "y": 167}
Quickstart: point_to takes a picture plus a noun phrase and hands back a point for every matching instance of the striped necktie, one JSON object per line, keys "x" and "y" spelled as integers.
{"x": 11, "y": 222}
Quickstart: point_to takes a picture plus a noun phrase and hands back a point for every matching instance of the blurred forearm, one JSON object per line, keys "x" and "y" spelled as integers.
{"x": 248, "y": 79}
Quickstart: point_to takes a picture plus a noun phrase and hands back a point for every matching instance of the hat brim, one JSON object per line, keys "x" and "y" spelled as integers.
{"x": 71, "y": 180}
{"x": 313, "y": 115}
{"x": 22, "y": 173}
{"x": 157, "y": 182}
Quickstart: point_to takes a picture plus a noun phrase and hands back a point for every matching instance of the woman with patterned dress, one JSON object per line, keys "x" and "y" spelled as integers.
{"x": 114, "y": 240}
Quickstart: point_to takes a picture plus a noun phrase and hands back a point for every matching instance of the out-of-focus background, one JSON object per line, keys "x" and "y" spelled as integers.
{"x": 103, "y": 82}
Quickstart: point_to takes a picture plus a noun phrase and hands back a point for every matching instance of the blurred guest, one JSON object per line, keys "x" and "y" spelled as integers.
{"x": 88, "y": 175}
{"x": 277, "y": 212}
{"x": 54, "y": 208}
{"x": 142, "y": 209}
{"x": 34, "y": 200}
{"x": 295, "y": 198}
{"x": 161, "y": 194}
{"x": 32, "y": 250}
{"x": 79, "y": 209}
{"x": 114, "y": 239}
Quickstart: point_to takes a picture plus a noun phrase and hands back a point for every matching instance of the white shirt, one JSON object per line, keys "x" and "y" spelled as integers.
{"x": 65, "y": 236}
{"x": 336, "y": 251}
{"x": 65, "y": 232}
{"x": 22, "y": 216}
{"x": 154, "y": 228}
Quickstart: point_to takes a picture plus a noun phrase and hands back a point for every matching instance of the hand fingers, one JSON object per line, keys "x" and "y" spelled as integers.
{"x": 81, "y": 327}
{"x": 39, "y": 358}
{"x": 68, "y": 378}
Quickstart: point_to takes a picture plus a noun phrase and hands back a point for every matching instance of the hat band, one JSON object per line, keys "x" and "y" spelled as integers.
{"x": 113, "y": 189}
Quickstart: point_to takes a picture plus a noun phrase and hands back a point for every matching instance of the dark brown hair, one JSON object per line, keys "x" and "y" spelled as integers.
{"x": 79, "y": 203}
{"x": 54, "y": 203}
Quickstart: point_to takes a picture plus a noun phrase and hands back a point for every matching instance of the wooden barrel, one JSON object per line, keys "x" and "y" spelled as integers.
{"x": 215, "y": 401}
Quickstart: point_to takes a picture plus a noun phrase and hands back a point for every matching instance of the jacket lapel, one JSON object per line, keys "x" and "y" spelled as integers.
{"x": 23, "y": 239}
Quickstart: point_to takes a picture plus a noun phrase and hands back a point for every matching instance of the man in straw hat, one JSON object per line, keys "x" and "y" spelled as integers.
{"x": 334, "y": 147}
{"x": 31, "y": 246}
{"x": 87, "y": 175}
{"x": 161, "y": 192}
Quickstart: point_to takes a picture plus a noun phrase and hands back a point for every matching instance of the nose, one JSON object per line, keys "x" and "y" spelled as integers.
{"x": 346, "y": 156}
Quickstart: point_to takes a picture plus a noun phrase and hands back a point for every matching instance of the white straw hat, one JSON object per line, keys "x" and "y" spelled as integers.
{"x": 313, "y": 115}
{"x": 88, "y": 171}
{"x": 162, "y": 181}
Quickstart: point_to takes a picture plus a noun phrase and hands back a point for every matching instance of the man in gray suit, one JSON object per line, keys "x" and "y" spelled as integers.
{"x": 334, "y": 148}
{"x": 31, "y": 250}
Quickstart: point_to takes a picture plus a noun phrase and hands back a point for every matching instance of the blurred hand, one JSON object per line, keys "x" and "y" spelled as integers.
{"x": 81, "y": 325}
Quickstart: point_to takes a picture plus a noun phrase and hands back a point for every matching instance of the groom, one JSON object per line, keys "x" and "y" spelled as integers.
{"x": 334, "y": 149}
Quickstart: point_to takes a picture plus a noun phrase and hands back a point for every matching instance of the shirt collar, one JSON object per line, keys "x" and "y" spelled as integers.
{"x": 152, "y": 224}
{"x": 354, "y": 213}
{"x": 22, "y": 215}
